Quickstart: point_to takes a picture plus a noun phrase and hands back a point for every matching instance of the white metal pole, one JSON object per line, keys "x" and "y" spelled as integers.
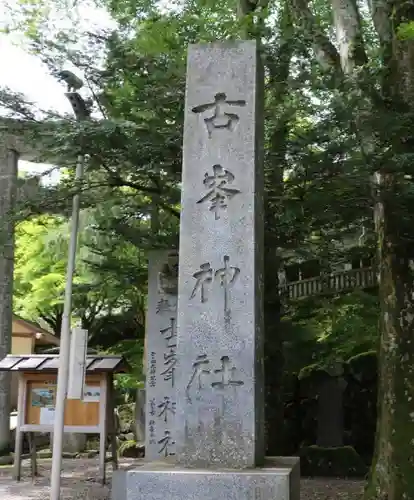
{"x": 64, "y": 351}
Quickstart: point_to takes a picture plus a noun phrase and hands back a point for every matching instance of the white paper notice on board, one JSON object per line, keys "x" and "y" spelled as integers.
{"x": 91, "y": 394}
{"x": 47, "y": 416}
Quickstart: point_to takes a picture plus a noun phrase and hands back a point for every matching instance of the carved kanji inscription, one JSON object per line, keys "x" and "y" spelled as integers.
{"x": 164, "y": 305}
{"x": 170, "y": 334}
{"x": 227, "y": 375}
{"x": 170, "y": 358}
{"x": 225, "y": 276}
{"x": 203, "y": 376}
{"x": 203, "y": 278}
{"x": 166, "y": 408}
{"x": 153, "y": 370}
{"x": 222, "y": 117}
{"x": 152, "y": 433}
{"x": 166, "y": 444}
{"x": 218, "y": 191}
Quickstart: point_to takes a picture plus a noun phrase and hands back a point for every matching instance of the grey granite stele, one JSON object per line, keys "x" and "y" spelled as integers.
{"x": 277, "y": 479}
{"x": 219, "y": 377}
{"x": 220, "y": 396}
{"x": 160, "y": 348}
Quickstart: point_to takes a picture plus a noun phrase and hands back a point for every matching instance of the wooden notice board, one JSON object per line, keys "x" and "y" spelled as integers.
{"x": 93, "y": 412}
{"x": 40, "y": 401}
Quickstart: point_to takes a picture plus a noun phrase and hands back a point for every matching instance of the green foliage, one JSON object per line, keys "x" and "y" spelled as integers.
{"x": 135, "y": 151}
{"x": 126, "y": 414}
{"x": 39, "y": 267}
{"x": 103, "y": 292}
{"x": 326, "y": 331}
{"x": 405, "y": 31}
{"x": 347, "y": 324}
{"x": 127, "y": 445}
{"x": 127, "y": 384}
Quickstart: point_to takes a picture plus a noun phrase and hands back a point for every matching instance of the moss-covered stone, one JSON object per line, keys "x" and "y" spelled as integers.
{"x": 6, "y": 460}
{"x": 126, "y": 414}
{"x": 5, "y": 451}
{"x": 343, "y": 461}
{"x": 364, "y": 366}
{"x": 44, "y": 454}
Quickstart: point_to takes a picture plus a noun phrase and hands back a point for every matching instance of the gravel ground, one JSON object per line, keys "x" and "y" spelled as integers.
{"x": 79, "y": 482}
{"x": 330, "y": 489}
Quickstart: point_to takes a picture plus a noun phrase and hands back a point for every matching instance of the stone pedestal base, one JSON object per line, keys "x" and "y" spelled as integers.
{"x": 278, "y": 479}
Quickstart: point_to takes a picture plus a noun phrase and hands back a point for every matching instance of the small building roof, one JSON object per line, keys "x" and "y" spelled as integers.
{"x": 48, "y": 363}
{"x": 30, "y": 329}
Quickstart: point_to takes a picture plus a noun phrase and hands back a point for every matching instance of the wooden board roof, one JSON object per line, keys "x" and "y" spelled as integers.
{"x": 43, "y": 363}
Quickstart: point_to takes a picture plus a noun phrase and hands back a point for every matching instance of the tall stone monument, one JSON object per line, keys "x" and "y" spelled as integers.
{"x": 220, "y": 397}
{"x": 161, "y": 359}
{"x": 219, "y": 415}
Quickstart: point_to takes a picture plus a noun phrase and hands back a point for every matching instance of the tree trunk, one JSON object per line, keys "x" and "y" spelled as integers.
{"x": 273, "y": 361}
{"x": 8, "y": 177}
{"x": 392, "y": 471}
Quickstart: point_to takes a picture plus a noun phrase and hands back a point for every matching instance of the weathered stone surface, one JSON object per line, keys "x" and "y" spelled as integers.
{"x": 219, "y": 328}
{"x": 140, "y": 416}
{"x": 330, "y": 416}
{"x": 161, "y": 354}
{"x": 8, "y": 180}
{"x": 279, "y": 479}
